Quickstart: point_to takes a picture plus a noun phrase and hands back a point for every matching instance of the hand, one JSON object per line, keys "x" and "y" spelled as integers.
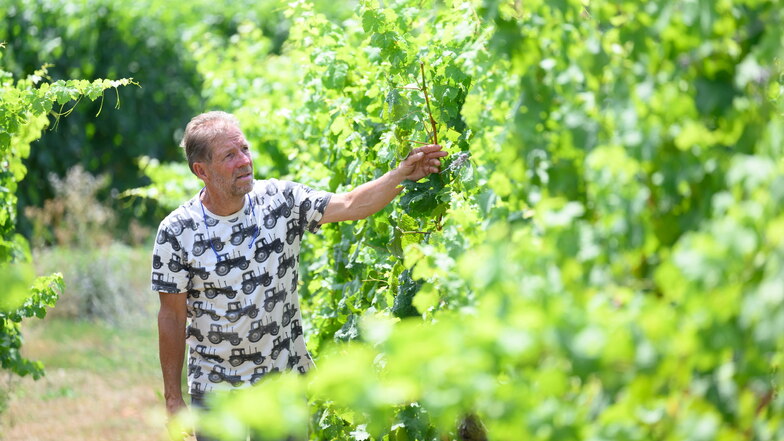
{"x": 177, "y": 432}
{"x": 174, "y": 406}
{"x": 421, "y": 162}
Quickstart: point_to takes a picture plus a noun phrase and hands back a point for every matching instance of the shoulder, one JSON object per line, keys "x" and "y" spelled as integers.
{"x": 184, "y": 213}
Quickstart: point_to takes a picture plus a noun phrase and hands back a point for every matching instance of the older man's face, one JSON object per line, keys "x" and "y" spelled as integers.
{"x": 231, "y": 169}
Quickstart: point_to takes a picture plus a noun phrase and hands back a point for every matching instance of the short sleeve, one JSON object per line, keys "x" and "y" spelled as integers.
{"x": 311, "y": 203}
{"x": 167, "y": 255}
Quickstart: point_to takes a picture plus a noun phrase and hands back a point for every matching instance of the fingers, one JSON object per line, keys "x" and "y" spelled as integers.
{"x": 429, "y": 148}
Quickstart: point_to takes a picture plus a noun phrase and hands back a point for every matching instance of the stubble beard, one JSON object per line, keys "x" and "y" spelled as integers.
{"x": 233, "y": 188}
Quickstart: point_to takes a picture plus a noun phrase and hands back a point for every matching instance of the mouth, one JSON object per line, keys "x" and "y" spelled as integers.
{"x": 245, "y": 176}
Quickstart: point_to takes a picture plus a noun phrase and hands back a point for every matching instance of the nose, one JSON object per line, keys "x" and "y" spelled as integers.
{"x": 245, "y": 159}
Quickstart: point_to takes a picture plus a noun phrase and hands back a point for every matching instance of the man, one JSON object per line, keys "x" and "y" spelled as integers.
{"x": 227, "y": 259}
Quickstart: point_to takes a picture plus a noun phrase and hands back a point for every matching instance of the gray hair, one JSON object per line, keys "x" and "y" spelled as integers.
{"x": 200, "y": 133}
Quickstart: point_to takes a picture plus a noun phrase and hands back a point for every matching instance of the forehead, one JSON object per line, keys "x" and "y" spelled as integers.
{"x": 231, "y": 137}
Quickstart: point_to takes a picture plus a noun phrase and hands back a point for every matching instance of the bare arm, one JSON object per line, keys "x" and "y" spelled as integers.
{"x": 372, "y": 196}
{"x": 171, "y": 346}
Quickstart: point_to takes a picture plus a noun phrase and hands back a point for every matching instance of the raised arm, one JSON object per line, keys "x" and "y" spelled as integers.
{"x": 171, "y": 345}
{"x": 372, "y": 196}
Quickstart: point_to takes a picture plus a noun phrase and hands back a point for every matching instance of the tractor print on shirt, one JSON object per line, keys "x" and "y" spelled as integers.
{"x": 257, "y": 374}
{"x": 250, "y": 281}
{"x": 225, "y": 264}
{"x": 193, "y": 369}
{"x": 176, "y": 265}
{"x": 196, "y": 388}
{"x": 217, "y": 335}
{"x": 194, "y": 293}
{"x": 284, "y": 263}
{"x": 239, "y": 232}
{"x": 200, "y": 310}
{"x": 278, "y": 345}
{"x": 195, "y": 332}
{"x": 212, "y": 291}
{"x": 273, "y": 297}
{"x": 296, "y": 329}
{"x": 288, "y": 313}
{"x": 236, "y": 311}
{"x": 294, "y": 228}
{"x": 203, "y": 351}
{"x": 163, "y": 285}
{"x": 264, "y": 248}
{"x": 238, "y": 356}
{"x": 164, "y": 236}
{"x": 257, "y": 330}
{"x": 157, "y": 263}
{"x": 293, "y": 360}
{"x": 271, "y": 215}
{"x": 219, "y": 374}
{"x": 180, "y": 223}
{"x": 200, "y": 244}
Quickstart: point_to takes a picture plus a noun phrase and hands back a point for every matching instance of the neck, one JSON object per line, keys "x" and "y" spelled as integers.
{"x": 223, "y": 205}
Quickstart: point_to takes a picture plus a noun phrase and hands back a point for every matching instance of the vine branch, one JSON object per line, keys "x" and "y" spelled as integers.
{"x": 427, "y": 101}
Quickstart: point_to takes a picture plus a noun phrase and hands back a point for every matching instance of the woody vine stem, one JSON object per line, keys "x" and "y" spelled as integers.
{"x": 427, "y": 101}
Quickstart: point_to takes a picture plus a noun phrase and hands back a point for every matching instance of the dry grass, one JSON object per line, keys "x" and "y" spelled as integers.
{"x": 72, "y": 404}
{"x": 102, "y": 383}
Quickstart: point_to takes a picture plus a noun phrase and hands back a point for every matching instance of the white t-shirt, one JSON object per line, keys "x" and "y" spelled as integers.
{"x": 242, "y": 299}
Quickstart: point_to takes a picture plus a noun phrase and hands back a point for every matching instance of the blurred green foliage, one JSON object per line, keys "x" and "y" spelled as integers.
{"x": 25, "y": 107}
{"x": 608, "y": 264}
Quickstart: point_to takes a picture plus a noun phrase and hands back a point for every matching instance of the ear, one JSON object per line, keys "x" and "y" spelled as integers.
{"x": 200, "y": 170}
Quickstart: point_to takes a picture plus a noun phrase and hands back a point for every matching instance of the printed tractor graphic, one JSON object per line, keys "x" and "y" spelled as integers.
{"x": 272, "y": 297}
{"x": 288, "y": 314}
{"x": 285, "y": 263}
{"x": 194, "y": 332}
{"x": 163, "y": 285}
{"x": 239, "y": 232}
{"x": 257, "y": 374}
{"x": 257, "y": 330}
{"x": 296, "y": 329}
{"x": 181, "y": 223}
{"x": 304, "y": 207}
{"x": 175, "y": 265}
{"x": 200, "y": 245}
{"x": 199, "y": 310}
{"x": 265, "y": 248}
{"x": 235, "y": 311}
{"x": 211, "y": 291}
{"x": 195, "y": 270}
{"x": 293, "y": 360}
{"x": 271, "y": 215}
{"x": 156, "y": 261}
{"x": 226, "y": 264}
{"x": 192, "y": 369}
{"x": 202, "y": 350}
{"x": 271, "y": 189}
{"x": 195, "y": 293}
{"x": 196, "y": 388}
{"x": 294, "y": 229}
{"x": 250, "y": 281}
{"x": 279, "y": 345}
{"x": 238, "y": 356}
{"x": 211, "y": 221}
{"x": 219, "y": 374}
{"x": 217, "y": 335}
{"x": 164, "y": 236}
